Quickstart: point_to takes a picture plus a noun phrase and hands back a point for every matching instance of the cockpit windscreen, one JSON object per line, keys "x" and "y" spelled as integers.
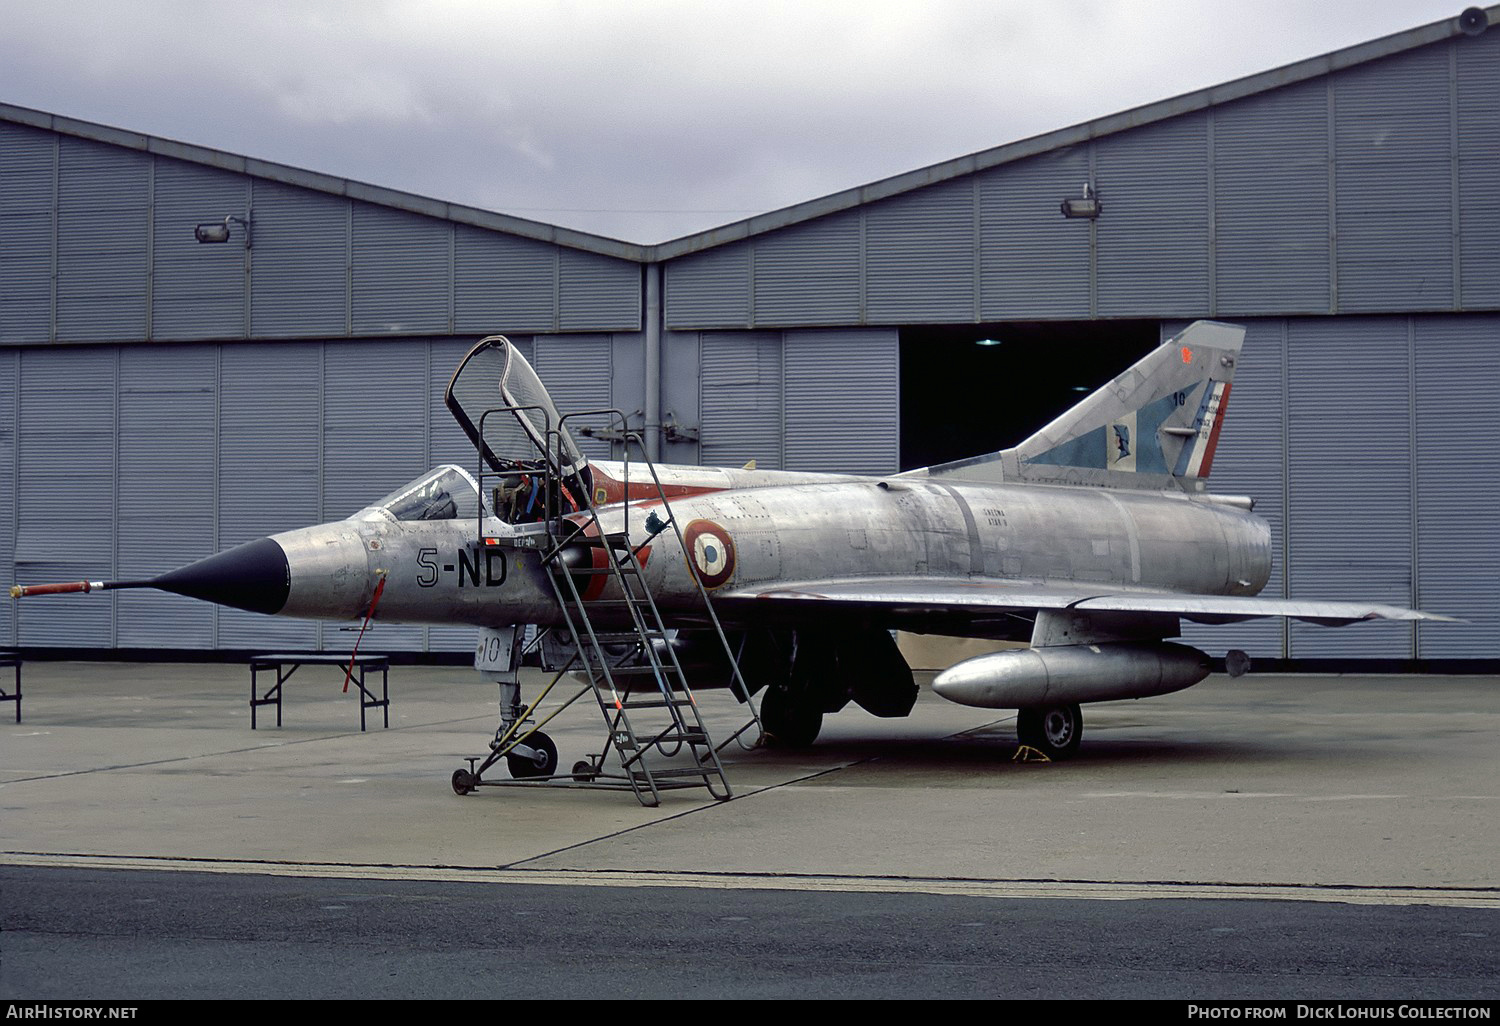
{"x": 443, "y": 493}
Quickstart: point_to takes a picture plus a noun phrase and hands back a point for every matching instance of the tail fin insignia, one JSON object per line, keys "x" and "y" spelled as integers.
{"x": 1197, "y": 457}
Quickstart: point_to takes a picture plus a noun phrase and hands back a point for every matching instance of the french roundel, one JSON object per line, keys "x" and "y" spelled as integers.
{"x": 711, "y": 551}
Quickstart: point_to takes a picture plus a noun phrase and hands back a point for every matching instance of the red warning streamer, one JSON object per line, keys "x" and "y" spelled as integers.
{"x": 374, "y": 601}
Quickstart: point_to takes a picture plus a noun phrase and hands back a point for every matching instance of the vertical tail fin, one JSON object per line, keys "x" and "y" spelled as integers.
{"x": 1155, "y": 426}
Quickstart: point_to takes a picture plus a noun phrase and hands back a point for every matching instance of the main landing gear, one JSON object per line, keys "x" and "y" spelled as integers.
{"x": 789, "y": 720}
{"x": 1055, "y": 731}
{"x": 529, "y": 754}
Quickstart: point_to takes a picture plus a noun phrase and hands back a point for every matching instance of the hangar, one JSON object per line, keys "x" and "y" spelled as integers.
{"x": 199, "y": 348}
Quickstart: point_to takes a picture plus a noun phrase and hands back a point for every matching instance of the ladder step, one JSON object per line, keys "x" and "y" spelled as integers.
{"x": 640, "y": 671}
{"x": 657, "y": 703}
{"x": 616, "y": 540}
{"x": 683, "y": 772}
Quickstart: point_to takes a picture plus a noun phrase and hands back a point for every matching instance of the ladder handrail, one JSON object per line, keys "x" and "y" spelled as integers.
{"x": 648, "y": 625}
{"x": 571, "y": 515}
{"x": 736, "y": 676}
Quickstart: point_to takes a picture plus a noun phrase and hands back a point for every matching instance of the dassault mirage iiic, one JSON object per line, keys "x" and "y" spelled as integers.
{"x": 1092, "y": 541}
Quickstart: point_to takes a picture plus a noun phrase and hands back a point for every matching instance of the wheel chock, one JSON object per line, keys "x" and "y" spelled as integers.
{"x": 1026, "y": 753}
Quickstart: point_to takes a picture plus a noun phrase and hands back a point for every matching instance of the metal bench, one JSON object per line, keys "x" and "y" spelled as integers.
{"x": 284, "y": 664}
{"x": 12, "y": 659}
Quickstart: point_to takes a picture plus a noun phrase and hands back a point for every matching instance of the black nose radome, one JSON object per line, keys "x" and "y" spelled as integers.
{"x": 254, "y": 576}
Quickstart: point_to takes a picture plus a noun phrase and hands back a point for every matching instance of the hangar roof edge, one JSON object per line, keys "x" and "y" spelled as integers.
{"x": 315, "y": 180}
{"x": 1161, "y": 110}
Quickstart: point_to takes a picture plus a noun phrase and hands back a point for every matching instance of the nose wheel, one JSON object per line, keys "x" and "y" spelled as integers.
{"x": 533, "y": 758}
{"x": 540, "y": 762}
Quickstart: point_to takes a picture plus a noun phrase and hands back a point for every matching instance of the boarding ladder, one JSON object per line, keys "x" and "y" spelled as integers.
{"x": 654, "y": 728}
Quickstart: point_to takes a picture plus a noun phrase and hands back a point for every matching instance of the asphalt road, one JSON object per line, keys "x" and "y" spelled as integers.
{"x": 91, "y": 934}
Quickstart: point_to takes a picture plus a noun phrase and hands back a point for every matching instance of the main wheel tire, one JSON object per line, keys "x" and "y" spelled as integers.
{"x": 787, "y": 722}
{"x": 522, "y": 767}
{"x": 1055, "y": 731}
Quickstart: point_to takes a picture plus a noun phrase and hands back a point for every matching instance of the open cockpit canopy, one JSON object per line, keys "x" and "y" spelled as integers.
{"x": 505, "y": 410}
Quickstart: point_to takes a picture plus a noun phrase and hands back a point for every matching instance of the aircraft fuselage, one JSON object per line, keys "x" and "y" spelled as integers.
{"x": 441, "y": 572}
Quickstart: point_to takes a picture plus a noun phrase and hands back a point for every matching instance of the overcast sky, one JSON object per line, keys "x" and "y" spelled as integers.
{"x": 642, "y": 120}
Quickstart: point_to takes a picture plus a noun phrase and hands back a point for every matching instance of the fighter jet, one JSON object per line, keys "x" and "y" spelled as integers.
{"x": 1088, "y": 543}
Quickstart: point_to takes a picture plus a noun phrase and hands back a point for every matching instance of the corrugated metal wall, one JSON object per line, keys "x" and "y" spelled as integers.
{"x": 300, "y": 284}
{"x": 1476, "y": 113}
{"x": 919, "y": 256}
{"x": 1271, "y": 217}
{"x": 1033, "y": 263}
{"x": 1356, "y": 438}
{"x": 503, "y": 279}
{"x": 208, "y": 446}
{"x": 741, "y": 402}
{"x": 96, "y": 244}
{"x": 28, "y": 205}
{"x": 1349, "y": 487}
{"x": 103, "y": 237}
{"x": 801, "y": 400}
{"x": 374, "y": 437}
{"x": 712, "y": 288}
{"x": 1364, "y": 191}
{"x": 197, "y": 291}
{"x": 10, "y": 363}
{"x": 1153, "y": 235}
{"x": 165, "y": 488}
{"x": 270, "y": 465}
{"x": 66, "y": 497}
{"x": 401, "y": 272}
{"x": 827, "y": 251}
{"x": 1393, "y": 176}
{"x": 1457, "y": 477}
{"x": 842, "y": 401}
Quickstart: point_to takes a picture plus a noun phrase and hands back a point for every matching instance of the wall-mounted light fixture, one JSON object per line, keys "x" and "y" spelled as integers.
{"x": 218, "y": 231}
{"x": 1087, "y": 205}
{"x": 987, "y": 342}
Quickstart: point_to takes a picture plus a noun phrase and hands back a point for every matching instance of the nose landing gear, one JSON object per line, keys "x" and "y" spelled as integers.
{"x": 534, "y": 757}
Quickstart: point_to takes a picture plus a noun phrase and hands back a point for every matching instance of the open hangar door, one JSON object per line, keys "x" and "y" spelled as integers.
{"x": 971, "y": 389}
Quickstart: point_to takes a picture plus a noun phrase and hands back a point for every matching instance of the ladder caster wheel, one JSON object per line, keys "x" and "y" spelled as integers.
{"x": 583, "y": 771}
{"x": 463, "y": 782}
{"x": 522, "y": 767}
